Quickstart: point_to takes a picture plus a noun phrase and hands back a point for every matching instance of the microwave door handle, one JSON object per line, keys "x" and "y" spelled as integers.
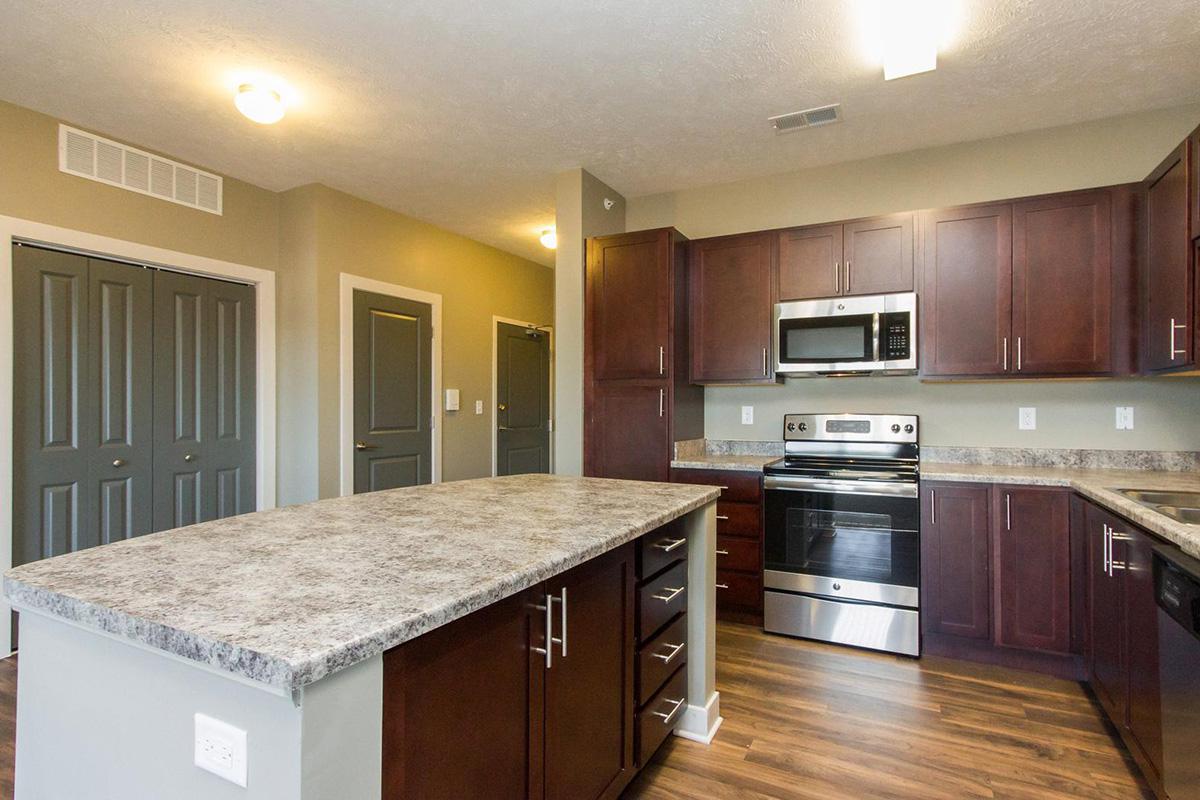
{"x": 875, "y": 336}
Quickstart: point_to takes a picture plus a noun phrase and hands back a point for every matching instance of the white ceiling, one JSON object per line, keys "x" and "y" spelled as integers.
{"x": 461, "y": 112}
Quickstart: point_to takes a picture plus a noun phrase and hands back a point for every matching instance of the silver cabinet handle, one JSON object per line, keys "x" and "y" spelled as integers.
{"x": 548, "y": 650}
{"x": 189, "y": 457}
{"x": 661, "y": 362}
{"x": 847, "y": 276}
{"x": 1007, "y": 511}
{"x": 1107, "y": 551}
{"x": 722, "y": 552}
{"x": 674, "y": 648}
{"x": 1175, "y": 327}
{"x": 933, "y": 506}
{"x": 1006, "y": 354}
{"x": 118, "y": 462}
{"x": 677, "y": 704}
{"x": 764, "y": 362}
{"x": 723, "y": 516}
{"x": 837, "y": 277}
{"x": 662, "y": 544}
{"x": 673, "y": 593}
{"x": 662, "y": 402}
{"x": 1113, "y": 538}
{"x": 561, "y": 642}
{"x": 722, "y": 585}
{"x": 1018, "y": 354}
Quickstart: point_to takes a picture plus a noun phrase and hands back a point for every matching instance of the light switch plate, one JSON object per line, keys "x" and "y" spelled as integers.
{"x": 221, "y": 749}
{"x": 478, "y": 406}
{"x": 452, "y": 400}
{"x": 1027, "y": 419}
{"x": 1124, "y": 418}
{"x": 747, "y": 415}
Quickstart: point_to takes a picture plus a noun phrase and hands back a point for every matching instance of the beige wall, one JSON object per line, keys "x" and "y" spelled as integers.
{"x": 1071, "y": 414}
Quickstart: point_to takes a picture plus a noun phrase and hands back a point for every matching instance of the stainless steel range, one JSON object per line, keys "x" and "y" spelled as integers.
{"x": 842, "y": 534}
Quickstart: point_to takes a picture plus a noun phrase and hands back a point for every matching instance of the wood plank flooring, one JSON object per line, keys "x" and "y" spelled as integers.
{"x": 813, "y": 722}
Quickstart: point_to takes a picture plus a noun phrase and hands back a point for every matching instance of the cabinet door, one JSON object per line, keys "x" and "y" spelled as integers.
{"x": 966, "y": 313}
{"x": 1062, "y": 284}
{"x": 810, "y": 262}
{"x": 731, "y": 308}
{"x": 589, "y": 687}
{"x": 879, "y": 255}
{"x": 1106, "y": 615}
{"x": 462, "y": 707}
{"x": 627, "y": 434}
{"x": 1167, "y": 281}
{"x": 955, "y": 556}
{"x": 628, "y": 304}
{"x": 1033, "y": 569}
{"x": 1145, "y": 708}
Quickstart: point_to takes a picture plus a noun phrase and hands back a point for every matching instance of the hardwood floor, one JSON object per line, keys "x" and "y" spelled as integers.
{"x": 8, "y": 724}
{"x": 807, "y": 720}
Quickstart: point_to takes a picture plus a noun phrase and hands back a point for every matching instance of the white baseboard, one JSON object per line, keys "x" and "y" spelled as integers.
{"x": 700, "y": 723}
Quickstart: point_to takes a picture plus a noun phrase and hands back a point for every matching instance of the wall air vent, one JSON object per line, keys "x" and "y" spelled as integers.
{"x": 809, "y": 118}
{"x": 90, "y": 156}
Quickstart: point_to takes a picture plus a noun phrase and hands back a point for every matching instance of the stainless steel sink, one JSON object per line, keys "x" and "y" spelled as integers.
{"x": 1181, "y": 506}
{"x": 1189, "y": 515}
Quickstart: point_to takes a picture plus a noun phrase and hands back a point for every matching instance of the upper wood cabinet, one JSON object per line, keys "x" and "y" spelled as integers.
{"x": 966, "y": 291}
{"x": 1168, "y": 283}
{"x": 732, "y": 299}
{"x": 1033, "y": 569}
{"x": 869, "y": 256}
{"x": 629, "y": 279}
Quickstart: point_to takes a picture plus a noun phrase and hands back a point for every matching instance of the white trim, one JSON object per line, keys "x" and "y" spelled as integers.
{"x": 347, "y": 283}
{"x": 263, "y": 280}
{"x": 700, "y": 723}
{"x": 549, "y": 329}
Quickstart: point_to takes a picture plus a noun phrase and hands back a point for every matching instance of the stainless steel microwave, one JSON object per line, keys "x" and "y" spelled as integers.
{"x": 847, "y": 335}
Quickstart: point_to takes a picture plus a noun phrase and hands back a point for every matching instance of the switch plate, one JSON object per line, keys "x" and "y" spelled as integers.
{"x": 747, "y": 415}
{"x": 478, "y": 406}
{"x": 221, "y": 749}
{"x": 1027, "y": 419}
{"x": 1124, "y": 418}
{"x": 452, "y": 400}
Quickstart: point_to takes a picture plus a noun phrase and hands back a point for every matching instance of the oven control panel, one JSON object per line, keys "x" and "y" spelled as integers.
{"x": 851, "y": 427}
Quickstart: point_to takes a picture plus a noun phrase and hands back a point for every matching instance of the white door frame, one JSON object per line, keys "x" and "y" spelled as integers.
{"x": 347, "y": 284}
{"x": 549, "y": 330}
{"x": 14, "y": 229}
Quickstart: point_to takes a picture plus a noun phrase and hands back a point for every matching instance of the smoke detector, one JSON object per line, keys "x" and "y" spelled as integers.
{"x": 808, "y": 118}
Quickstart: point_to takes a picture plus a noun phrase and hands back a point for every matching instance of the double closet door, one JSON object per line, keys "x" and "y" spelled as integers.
{"x": 133, "y": 401}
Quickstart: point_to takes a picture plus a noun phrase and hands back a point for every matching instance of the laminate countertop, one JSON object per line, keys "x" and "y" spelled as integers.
{"x": 288, "y": 596}
{"x": 736, "y": 462}
{"x": 1098, "y": 485}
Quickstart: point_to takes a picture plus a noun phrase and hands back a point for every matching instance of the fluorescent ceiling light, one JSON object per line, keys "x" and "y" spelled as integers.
{"x": 549, "y": 239}
{"x": 905, "y": 35}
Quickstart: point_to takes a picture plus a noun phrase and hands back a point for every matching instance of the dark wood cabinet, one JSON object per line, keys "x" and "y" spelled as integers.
{"x": 810, "y": 262}
{"x": 867, "y": 256}
{"x": 732, "y": 299}
{"x": 629, "y": 435}
{"x": 661, "y": 636}
{"x": 1033, "y": 569}
{"x": 1062, "y": 284}
{"x": 956, "y": 560}
{"x": 1168, "y": 282}
{"x": 966, "y": 291}
{"x": 629, "y": 279}
{"x": 1106, "y": 614}
{"x": 1141, "y": 610}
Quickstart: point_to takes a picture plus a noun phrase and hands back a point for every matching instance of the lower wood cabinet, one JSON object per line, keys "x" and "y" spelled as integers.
{"x": 1033, "y": 569}
{"x": 661, "y": 639}
{"x": 956, "y": 546}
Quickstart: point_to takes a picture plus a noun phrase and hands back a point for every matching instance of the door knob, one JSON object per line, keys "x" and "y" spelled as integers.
{"x": 502, "y": 407}
{"x": 118, "y": 462}
{"x": 189, "y": 457}
{"x": 360, "y": 446}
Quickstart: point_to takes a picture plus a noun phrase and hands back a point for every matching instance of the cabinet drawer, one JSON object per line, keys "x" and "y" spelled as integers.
{"x": 739, "y": 519}
{"x": 660, "y": 599}
{"x": 737, "y": 487}
{"x": 739, "y": 591}
{"x": 661, "y": 548}
{"x": 738, "y": 554}
{"x": 660, "y": 657}
{"x": 656, "y": 721}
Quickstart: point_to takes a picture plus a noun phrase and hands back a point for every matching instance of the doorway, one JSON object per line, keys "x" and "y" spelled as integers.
{"x": 522, "y": 418}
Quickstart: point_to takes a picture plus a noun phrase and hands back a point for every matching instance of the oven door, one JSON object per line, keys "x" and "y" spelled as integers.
{"x": 856, "y": 540}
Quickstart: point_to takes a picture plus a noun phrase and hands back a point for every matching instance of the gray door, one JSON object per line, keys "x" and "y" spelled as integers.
{"x": 522, "y": 400}
{"x": 81, "y": 418}
{"x": 393, "y": 414}
{"x": 204, "y": 387}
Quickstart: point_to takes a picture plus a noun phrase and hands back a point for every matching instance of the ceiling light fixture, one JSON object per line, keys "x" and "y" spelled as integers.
{"x": 549, "y": 239}
{"x": 905, "y": 35}
{"x": 259, "y": 103}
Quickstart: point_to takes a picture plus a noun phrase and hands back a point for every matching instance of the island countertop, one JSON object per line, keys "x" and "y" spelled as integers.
{"x": 288, "y": 596}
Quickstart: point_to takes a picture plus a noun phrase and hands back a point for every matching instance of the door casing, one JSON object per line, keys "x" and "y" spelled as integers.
{"x": 549, "y": 330}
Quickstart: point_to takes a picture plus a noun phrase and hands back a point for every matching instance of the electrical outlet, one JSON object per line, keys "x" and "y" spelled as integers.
{"x": 747, "y": 415}
{"x": 221, "y": 749}
{"x": 478, "y": 406}
{"x": 1124, "y": 418}
{"x": 1027, "y": 419}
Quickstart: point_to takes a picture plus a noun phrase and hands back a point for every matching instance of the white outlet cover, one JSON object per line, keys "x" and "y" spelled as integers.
{"x": 1124, "y": 418}
{"x": 747, "y": 415}
{"x": 478, "y": 406}
{"x": 1027, "y": 419}
{"x": 221, "y": 749}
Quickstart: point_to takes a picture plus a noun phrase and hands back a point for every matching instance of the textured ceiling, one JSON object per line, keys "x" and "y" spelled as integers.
{"x": 461, "y": 113}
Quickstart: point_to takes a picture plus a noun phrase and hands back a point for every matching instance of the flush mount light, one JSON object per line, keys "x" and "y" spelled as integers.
{"x": 549, "y": 239}
{"x": 259, "y": 103}
{"x": 905, "y": 35}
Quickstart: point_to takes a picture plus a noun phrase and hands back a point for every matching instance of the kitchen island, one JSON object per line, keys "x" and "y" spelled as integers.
{"x": 308, "y": 627}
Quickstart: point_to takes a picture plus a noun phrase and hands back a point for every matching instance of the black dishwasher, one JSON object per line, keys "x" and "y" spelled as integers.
{"x": 1177, "y": 590}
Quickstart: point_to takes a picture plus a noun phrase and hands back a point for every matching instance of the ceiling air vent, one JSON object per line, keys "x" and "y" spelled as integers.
{"x": 809, "y": 118}
{"x": 99, "y": 159}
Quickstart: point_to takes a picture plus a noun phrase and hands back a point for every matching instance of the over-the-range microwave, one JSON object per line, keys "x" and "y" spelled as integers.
{"x": 847, "y": 335}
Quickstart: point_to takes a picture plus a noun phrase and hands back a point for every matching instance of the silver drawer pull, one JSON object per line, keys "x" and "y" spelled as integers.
{"x": 668, "y": 717}
{"x": 675, "y": 648}
{"x": 722, "y": 585}
{"x": 722, "y": 516}
{"x": 666, "y": 598}
{"x": 662, "y": 544}
{"x": 722, "y": 552}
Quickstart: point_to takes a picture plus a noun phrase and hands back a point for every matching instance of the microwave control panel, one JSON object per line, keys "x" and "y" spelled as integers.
{"x": 895, "y": 337}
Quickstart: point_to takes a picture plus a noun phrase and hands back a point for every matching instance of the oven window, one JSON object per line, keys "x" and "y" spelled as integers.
{"x": 827, "y": 339}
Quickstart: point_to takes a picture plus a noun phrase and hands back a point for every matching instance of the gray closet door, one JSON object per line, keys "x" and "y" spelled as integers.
{"x": 522, "y": 400}
{"x": 204, "y": 384}
{"x": 393, "y": 414}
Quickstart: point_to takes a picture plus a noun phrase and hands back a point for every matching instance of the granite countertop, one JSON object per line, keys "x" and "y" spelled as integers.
{"x": 288, "y": 596}
{"x": 1098, "y": 485}
{"x": 740, "y": 462}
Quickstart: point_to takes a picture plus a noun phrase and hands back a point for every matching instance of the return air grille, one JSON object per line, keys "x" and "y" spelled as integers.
{"x": 809, "y": 118}
{"x": 90, "y": 156}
